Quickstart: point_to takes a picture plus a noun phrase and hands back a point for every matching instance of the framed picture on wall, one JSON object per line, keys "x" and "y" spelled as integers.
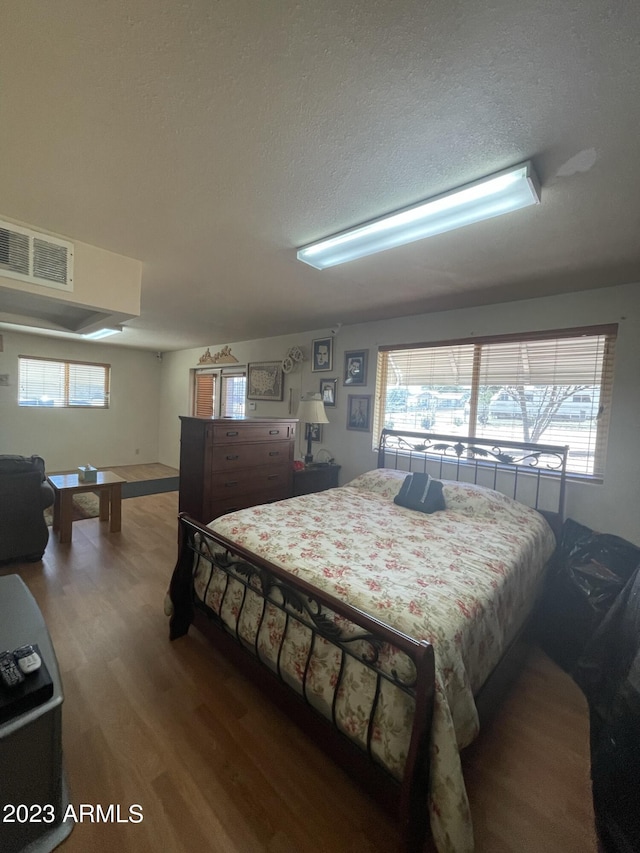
{"x": 264, "y": 380}
{"x": 328, "y": 392}
{"x": 322, "y": 354}
{"x": 355, "y": 367}
{"x": 359, "y": 412}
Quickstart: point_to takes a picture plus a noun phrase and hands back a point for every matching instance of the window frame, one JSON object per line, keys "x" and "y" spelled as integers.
{"x": 608, "y": 331}
{"x": 67, "y": 363}
{"x": 218, "y": 376}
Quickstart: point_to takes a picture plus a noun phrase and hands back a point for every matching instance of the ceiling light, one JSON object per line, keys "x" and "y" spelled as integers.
{"x": 101, "y": 333}
{"x": 492, "y": 196}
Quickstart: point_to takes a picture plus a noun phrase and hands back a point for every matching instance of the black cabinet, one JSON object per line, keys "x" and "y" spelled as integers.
{"x": 315, "y": 479}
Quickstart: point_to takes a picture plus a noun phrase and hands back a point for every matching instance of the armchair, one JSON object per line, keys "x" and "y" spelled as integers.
{"x": 24, "y": 495}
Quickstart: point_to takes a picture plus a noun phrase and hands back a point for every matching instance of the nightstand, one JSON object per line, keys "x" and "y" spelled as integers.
{"x": 315, "y": 479}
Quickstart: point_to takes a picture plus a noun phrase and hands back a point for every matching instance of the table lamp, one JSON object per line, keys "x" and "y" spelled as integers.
{"x": 311, "y": 411}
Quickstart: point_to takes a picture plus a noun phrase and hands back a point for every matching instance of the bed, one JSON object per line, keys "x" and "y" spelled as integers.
{"x": 384, "y": 631}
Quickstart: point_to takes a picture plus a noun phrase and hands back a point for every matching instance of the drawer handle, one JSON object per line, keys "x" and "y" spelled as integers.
{"x": 232, "y": 432}
{"x": 232, "y": 456}
{"x": 274, "y": 432}
{"x": 273, "y": 476}
{"x": 232, "y": 483}
{"x": 274, "y": 453}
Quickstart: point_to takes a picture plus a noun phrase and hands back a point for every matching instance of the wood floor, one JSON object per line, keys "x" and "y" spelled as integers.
{"x": 172, "y": 727}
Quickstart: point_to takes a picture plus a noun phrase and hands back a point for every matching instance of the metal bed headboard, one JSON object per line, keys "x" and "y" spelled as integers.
{"x": 532, "y": 473}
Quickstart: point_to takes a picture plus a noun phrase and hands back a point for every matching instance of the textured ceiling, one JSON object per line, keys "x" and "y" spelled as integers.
{"x": 209, "y": 139}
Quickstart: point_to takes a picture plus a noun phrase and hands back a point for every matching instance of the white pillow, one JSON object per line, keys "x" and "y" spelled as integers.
{"x": 469, "y": 499}
{"x": 382, "y": 481}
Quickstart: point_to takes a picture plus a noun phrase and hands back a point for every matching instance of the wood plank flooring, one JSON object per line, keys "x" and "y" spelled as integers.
{"x": 172, "y": 727}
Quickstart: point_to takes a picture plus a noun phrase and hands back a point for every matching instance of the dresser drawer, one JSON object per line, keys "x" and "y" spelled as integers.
{"x": 227, "y": 458}
{"x": 252, "y": 432}
{"x": 232, "y": 503}
{"x": 251, "y": 479}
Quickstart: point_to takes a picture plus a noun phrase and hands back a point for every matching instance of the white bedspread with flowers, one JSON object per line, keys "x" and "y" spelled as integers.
{"x": 464, "y": 579}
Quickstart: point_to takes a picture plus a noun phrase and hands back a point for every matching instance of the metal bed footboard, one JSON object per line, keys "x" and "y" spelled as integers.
{"x": 353, "y": 636}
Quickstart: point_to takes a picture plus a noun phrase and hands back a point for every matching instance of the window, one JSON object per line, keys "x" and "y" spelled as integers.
{"x": 550, "y": 387}
{"x": 219, "y": 394}
{"x": 233, "y": 390}
{"x": 63, "y": 384}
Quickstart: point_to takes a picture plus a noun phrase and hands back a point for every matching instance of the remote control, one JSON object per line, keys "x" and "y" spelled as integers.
{"x": 10, "y": 675}
{"x": 27, "y": 659}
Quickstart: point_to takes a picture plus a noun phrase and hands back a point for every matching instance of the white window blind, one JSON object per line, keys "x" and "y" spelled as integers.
{"x": 554, "y": 388}
{"x": 447, "y": 365}
{"x": 564, "y": 361}
{"x": 63, "y": 384}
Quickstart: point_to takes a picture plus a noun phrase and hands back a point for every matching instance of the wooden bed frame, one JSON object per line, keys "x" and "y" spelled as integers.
{"x": 510, "y": 467}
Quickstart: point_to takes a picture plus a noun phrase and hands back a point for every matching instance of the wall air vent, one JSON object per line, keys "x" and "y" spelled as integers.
{"x": 35, "y": 257}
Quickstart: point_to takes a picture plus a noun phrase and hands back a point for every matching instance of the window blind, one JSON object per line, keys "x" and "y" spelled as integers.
{"x": 204, "y": 394}
{"x": 66, "y": 384}
{"x": 553, "y": 387}
{"x": 564, "y": 361}
{"x": 446, "y": 365}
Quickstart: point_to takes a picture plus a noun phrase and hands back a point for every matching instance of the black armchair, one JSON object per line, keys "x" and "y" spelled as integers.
{"x": 24, "y": 495}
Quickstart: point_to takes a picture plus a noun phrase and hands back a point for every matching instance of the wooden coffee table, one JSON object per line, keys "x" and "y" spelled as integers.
{"x": 109, "y": 488}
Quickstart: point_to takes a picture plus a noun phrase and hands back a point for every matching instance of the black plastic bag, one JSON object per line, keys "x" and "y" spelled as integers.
{"x": 588, "y": 571}
{"x": 608, "y": 673}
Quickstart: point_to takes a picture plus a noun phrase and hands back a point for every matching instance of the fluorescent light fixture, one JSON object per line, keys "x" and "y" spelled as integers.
{"x": 492, "y": 196}
{"x": 101, "y": 333}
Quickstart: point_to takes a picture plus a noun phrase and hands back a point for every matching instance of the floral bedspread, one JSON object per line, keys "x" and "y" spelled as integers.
{"x": 464, "y": 579}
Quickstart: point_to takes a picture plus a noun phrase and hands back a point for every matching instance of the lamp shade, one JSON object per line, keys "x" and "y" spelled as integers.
{"x": 312, "y": 411}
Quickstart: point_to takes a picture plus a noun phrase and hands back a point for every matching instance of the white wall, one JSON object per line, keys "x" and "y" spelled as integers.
{"x": 176, "y": 390}
{"x": 148, "y": 397}
{"x": 611, "y": 506}
{"x": 66, "y": 438}
{"x": 101, "y": 280}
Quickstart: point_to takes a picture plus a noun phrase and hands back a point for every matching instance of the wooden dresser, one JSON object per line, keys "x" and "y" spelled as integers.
{"x": 231, "y": 463}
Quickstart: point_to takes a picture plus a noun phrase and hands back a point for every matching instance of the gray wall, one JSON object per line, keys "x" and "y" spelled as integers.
{"x": 611, "y": 506}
